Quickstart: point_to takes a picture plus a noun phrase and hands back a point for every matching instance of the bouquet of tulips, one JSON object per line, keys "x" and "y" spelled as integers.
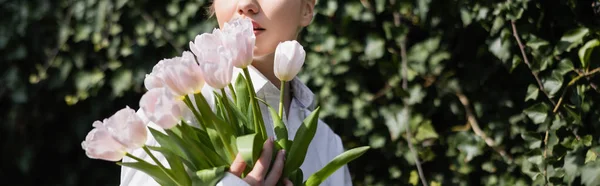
{"x": 200, "y": 140}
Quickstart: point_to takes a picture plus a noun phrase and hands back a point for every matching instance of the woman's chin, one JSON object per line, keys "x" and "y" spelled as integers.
{"x": 261, "y": 53}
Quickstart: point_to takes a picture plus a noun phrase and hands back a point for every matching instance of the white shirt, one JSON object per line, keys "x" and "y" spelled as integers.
{"x": 325, "y": 145}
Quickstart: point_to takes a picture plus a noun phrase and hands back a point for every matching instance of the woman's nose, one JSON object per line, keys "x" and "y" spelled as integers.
{"x": 247, "y": 7}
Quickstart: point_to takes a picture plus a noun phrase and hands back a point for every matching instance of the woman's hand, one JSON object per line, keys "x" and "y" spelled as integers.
{"x": 258, "y": 176}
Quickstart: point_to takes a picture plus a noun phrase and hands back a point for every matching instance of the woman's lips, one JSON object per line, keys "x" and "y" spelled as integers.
{"x": 257, "y": 28}
{"x": 258, "y": 31}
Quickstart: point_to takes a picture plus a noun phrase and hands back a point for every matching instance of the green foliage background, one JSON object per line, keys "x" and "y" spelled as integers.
{"x": 479, "y": 113}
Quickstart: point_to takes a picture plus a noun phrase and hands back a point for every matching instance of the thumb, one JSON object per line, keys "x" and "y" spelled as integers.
{"x": 287, "y": 182}
{"x": 238, "y": 165}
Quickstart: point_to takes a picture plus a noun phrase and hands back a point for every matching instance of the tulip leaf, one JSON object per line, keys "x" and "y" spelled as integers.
{"x": 297, "y": 177}
{"x": 186, "y": 131}
{"x": 198, "y": 153}
{"x": 250, "y": 117}
{"x": 152, "y": 170}
{"x": 586, "y": 51}
{"x": 337, "y": 162}
{"x": 219, "y": 109}
{"x": 242, "y": 93}
{"x": 167, "y": 143}
{"x": 200, "y": 134}
{"x": 228, "y": 113}
{"x": 204, "y": 138}
{"x": 304, "y": 135}
{"x": 224, "y": 130}
{"x": 216, "y": 141}
{"x": 176, "y": 164}
{"x": 210, "y": 176}
{"x": 249, "y": 146}
{"x": 242, "y": 119}
{"x": 196, "y": 159}
{"x": 279, "y": 127}
{"x": 199, "y": 137}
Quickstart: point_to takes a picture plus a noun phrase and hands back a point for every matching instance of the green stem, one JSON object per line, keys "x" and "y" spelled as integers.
{"x": 217, "y": 124}
{"x": 136, "y": 158}
{"x": 188, "y": 102}
{"x": 281, "y": 99}
{"x": 163, "y": 168}
{"x": 258, "y": 122}
{"x": 233, "y": 95}
{"x": 229, "y": 113}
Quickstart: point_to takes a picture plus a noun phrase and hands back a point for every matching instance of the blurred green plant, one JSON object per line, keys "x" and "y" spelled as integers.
{"x": 487, "y": 92}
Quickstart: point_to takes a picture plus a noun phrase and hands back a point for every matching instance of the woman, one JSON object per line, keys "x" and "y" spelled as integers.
{"x": 274, "y": 21}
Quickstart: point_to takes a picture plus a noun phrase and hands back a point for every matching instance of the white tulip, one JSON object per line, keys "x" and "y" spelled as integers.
{"x": 289, "y": 58}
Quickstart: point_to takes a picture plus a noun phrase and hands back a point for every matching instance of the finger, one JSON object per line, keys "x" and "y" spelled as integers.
{"x": 276, "y": 170}
{"x": 287, "y": 182}
{"x": 262, "y": 165}
{"x": 238, "y": 165}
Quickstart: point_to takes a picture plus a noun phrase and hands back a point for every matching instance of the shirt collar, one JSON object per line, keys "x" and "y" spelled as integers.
{"x": 262, "y": 85}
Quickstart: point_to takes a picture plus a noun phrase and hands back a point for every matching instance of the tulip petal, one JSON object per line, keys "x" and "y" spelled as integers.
{"x": 161, "y": 108}
{"x": 99, "y": 144}
{"x": 289, "y": 58}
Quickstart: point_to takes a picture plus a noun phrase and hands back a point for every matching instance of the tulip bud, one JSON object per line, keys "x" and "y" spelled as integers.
{"x": 205, "y": 46}
{"x": 218, "y": 72}
{"x": 160, "y": 106}
{"x": 127, "y": 128}
{"x": 214, "y": 59}
{"x": 182, "y": 75}
{"x": 154, "y": 79}
{"x": 238, "y": 36}
{"x": 99, "y": 144}
{"x": 289, "y": 58}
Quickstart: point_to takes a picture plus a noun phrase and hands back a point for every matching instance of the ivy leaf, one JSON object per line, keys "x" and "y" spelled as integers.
{"x": 537, "y": 113}
{"x": 587, "y": 140}
{"x": 552, "y": 142}
{"x": 573, "y": 162}
{"x": 586, "y": 51}
{"x": 500, "y": 48}
{"x": 121, "y": 82}
{"x": 570, "y": 39}
{"x": 565, "y": 66}
{"x": 590, "y": 175}
{"x": 395, "y": 121}
{"x": 426, "y": 131}
{"x": 536, "y": 43}
{"x": 557, "y": 123}
{"x": 414, "y": 178}
{"x": 375, "y": 47}
{"x": 590, "y": 156}
{"x": 498, "y": 24}
{"x": 553, "y": 83}
{"x": 470, "y": 151}
{"x": 532, "y": 92}
{"x": 516, "y": 60}
{"x": 535, "y": 157}
{"x": 574, "y": 117}
{"x": 534, "y": 140}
